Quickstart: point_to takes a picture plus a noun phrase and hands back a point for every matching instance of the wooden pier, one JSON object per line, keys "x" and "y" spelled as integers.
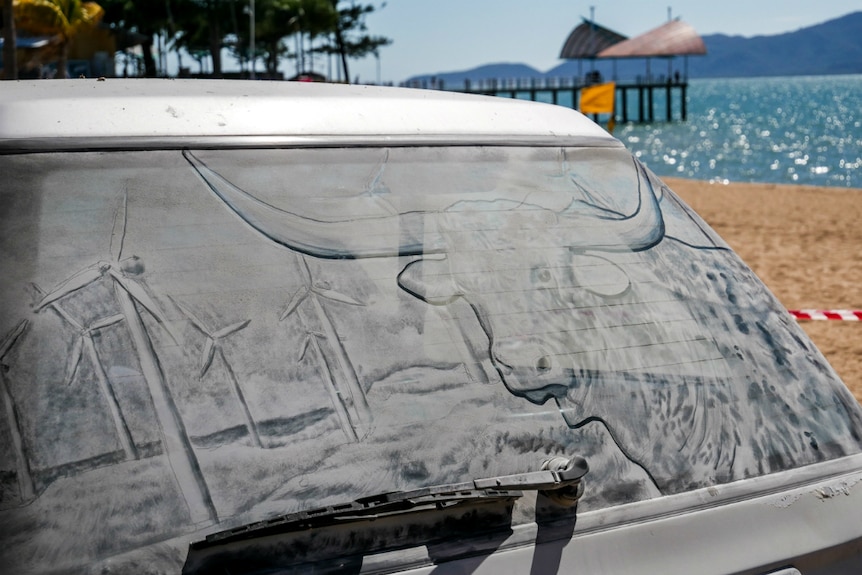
{"x": 643, "y": 94}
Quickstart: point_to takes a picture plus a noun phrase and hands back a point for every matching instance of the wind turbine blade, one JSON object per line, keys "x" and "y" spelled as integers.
{"x": 57, "y": 308}
{"x": 306, "y": 272}
{"x": 209, "y": 354}
{"x": 231, "y": 329}
{"x": 12, "y": 337}
{"x": 140, "y": 295}
{"x": 337, "y": 296}
{"x": 108, "y": 321}
{"x": 118, "y": 234}
{"x": 305, "y": 346}
{"x": 39, "y": 291}
{"x": 80, "y": 280}
{"x": 192, "y": 318}
{"x": 296, "y": 299}
{"x": 74, "y": 360}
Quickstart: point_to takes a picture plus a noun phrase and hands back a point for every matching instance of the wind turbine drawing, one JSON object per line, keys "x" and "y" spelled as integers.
{"x": 358, "y": 423}
{"x": 353, "y": 411}
{"x": 213, "y": 347}
{"x": 25, "y": 479}
{"x": 85, "y": 343}
{"x": 129, "y": 293}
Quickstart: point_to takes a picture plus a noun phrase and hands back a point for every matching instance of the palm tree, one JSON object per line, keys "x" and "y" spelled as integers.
{"x": 350, "y": 39}
{"x": 59, "y": 18}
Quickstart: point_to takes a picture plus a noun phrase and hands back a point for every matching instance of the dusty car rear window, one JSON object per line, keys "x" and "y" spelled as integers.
{"x": 213, "y": 334}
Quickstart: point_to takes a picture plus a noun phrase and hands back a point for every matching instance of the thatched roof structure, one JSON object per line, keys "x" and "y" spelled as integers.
{"x": 674, "y": 38}
{"x": 587, "y": 40}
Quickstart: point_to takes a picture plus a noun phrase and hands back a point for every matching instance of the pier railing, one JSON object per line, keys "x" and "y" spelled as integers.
{"x": 644, "y": 92}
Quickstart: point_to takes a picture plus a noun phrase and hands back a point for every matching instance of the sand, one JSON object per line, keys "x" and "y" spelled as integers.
{"x": 803, "y": 242}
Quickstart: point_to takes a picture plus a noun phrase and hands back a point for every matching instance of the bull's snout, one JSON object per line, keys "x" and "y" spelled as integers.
{"x": 529, "y": 369}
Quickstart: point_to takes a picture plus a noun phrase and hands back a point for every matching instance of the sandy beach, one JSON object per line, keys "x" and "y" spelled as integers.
{"x": 802, "y": 241}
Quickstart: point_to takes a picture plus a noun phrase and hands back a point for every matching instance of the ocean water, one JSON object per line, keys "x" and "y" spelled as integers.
{"x": 800, "y": 130}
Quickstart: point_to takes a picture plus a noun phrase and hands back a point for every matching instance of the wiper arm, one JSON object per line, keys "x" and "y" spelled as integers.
{"x": 559, "y": 479}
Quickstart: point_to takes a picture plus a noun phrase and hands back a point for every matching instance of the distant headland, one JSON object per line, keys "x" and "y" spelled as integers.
{"x": 832, "y": 47}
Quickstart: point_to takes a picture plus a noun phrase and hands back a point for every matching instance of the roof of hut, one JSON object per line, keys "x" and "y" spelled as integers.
{"x": 674, "y": 38}
{"x": 588, "y": 39}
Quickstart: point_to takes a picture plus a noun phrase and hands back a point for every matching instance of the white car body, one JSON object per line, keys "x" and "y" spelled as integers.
{"x": 228, "y": 304}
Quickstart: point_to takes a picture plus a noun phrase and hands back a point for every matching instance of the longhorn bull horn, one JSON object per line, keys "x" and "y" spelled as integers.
{"x": 639, "y": 231}
{"x": 369, "y": 237}
{"x": 415, "y": 233}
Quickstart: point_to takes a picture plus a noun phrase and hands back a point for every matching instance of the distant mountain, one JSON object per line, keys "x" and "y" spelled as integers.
{"x": 833, "y": 47}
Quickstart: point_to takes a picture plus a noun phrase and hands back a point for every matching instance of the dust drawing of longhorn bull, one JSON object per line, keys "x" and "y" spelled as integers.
{"x": 533, "y": 276}
{"x": 577, "y": 307}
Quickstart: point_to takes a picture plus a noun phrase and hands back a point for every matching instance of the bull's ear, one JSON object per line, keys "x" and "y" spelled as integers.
{"x": 429, "y": 280}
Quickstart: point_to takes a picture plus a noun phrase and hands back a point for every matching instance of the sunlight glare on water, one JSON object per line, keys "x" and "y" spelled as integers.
{"x": 805, "y": 130}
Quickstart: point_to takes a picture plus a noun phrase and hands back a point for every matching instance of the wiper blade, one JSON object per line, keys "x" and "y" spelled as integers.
{"x": 559, "y": 479}
{"x": 372, "y": 508}
{"x": 478, "y": 511}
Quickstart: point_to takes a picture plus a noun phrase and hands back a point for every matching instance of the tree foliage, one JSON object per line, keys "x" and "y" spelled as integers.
{"x": 278, "y": 20}
{"x": 204, "y": 28}
{"x": 60, "y": 18}
{"x": 349, "y": 34}
{"x": 209, "y": 26}
{"x": 142, "y": 18}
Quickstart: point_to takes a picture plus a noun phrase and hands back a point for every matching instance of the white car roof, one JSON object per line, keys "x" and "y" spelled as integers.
{"x": 132, "y": 113}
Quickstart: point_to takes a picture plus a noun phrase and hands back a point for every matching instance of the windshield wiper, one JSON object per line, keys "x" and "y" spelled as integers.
{"x": 389, "y": 520}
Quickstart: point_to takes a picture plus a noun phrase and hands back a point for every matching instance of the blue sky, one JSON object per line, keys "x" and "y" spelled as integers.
{"x": 450, "y": 35}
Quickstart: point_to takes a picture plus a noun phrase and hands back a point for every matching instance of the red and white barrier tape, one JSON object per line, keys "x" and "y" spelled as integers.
{"x": 839, "y": 314}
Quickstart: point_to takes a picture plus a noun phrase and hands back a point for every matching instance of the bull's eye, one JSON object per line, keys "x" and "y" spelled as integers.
{"x": 544, "y": 275}
{"x": 543, "y": 364}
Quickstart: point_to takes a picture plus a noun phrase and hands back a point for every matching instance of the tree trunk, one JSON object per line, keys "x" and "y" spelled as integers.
{"x": 271, "y": 59}
{"x": 342, "y": 50}
{"x": 10, "y": 56}
{"x": 62, "y": 61}
{"x": 215, "y": 48}
{"x": 215, "y": 39}
{"x": 147, "y": 49}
